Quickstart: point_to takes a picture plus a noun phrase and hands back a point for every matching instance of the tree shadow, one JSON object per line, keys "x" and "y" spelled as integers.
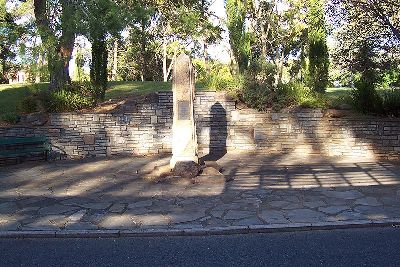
{"x": 92, "y": 186}
{"x": 218, "y": 133}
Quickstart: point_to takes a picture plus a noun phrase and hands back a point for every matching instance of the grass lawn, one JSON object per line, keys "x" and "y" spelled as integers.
{"x": 337, "y": 92}
{"x": 11, "y": 95}
{"x": 123, "y": 89}
{"x": 338, "y": 96}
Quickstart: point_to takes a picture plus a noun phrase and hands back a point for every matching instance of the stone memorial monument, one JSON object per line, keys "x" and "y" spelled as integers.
{"x": 184, "y": 141}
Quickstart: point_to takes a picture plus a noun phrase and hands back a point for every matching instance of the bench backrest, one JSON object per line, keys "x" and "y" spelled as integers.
{"x": 23, "y": 140}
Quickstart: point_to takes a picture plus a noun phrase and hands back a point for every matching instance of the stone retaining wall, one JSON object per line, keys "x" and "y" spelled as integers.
{"x": 146, "y": 129}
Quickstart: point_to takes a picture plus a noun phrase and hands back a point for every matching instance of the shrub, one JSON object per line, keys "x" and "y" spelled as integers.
{"x": 391, "y": 102}
{"x": 77, "y": 95}
{"x": 63, "y": 100}
{"x": 258, "y": 90}
{"x": 28, "y": 104}
{"x": 218, "y": 77}
{"x": 11, "y": 118}
{"x": 84, "y": 88}
{"x": 365, "y": 98}
{"x": 296, "y": 94}
{"x": 390, "y": 78}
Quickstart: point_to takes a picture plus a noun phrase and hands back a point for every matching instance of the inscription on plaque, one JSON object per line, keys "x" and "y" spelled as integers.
{"x": 183, "y": 110}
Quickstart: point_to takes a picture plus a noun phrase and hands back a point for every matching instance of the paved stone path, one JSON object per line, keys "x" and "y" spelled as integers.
{"x": 110, "y": 194}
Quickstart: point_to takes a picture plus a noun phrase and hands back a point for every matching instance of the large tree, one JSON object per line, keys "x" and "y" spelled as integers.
{"x": 318, "y": 69}
{"x": 182, "y": 24}
{"x": 57, "y": 25}
{"x": 366, "y": 21}
{"x": 162, "y": 29}
{"x": 101, "y": 19}
{"x": 279, "y": 29}
{"x": 239, "y": 38}
{"x": 380, "y": 15}
{"x": 9, "y": 34}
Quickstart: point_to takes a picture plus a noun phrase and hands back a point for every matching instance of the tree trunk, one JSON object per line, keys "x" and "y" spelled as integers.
{"x": 143, "y": 52}
{"x": 115, "y": 61}
{"x": 205, "y": 54}
{"x": 38, "y": 68}
{"x": 3, "y": 78}
{"x": 59, "y": 65}
{"x": 165, "y": 73}
{"x": 59, "y": 48}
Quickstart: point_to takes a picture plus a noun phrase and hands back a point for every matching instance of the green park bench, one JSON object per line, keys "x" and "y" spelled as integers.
{"x": 24, "y": 146}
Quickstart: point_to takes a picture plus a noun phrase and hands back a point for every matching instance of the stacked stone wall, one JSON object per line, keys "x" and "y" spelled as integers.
{"x": 146, "y": 129}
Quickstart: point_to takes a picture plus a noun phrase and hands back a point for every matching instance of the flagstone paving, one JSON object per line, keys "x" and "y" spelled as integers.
{"x": 111, "y": 194}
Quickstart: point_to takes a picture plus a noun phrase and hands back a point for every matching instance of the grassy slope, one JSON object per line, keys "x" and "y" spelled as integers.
{"x": 11, "y": 95}
{"x": 122, "y": 89}
{"x": 337, "y": 92}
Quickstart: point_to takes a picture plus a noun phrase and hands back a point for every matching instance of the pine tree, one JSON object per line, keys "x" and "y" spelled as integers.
{"x": 238, "y": 37}
{"x": 318, "y": 50}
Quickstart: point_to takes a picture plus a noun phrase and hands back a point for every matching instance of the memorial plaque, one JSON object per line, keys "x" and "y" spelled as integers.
{"x": 183, "y": 110}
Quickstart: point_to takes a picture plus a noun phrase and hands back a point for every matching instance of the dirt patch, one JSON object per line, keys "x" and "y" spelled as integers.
{"x": 120, "y": 105}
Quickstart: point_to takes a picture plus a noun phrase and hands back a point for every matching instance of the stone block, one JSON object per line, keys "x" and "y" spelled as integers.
{"x": 89, "y": 139}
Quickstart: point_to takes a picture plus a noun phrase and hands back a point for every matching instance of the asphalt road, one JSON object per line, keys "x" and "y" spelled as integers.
{"x": 357, "y": 247}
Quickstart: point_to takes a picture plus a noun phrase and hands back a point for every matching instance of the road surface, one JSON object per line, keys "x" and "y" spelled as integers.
{"x": 357, "y": 247}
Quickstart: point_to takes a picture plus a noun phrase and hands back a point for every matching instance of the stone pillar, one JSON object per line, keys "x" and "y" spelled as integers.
{"x": 184, "y": 141}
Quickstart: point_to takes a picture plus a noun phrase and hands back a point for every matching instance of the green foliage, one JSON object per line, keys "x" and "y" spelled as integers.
{"x": 390, "y": 78}
{"x": 74, "y": 97}
{"x": 339, "y": 96}
{"x": 318, "y": 69}
{"x": 239, "y": 39}
{"x": 296, "y": 94}
{"x": 260, "y": 92}
{"x": 101, "y": 17}
{"x": 10, "y": 33}
{"x": 391, "y": 102}
{"x": 259, "y": 85}
{"x": 82, "y": 57}
{"x": 139, "y": 47}
{"x": 365, "y": 97}
{"x": 284, "y": 96}
{"x": 62, "y": 101}
{"x": 11, "y": 117}
{"x": 98, "y": 68}
{"x": 262, "y": 74}
{"x": 28, "y": 105}
{"x": 36, "y": 70}
{"x": 218, "y": 77}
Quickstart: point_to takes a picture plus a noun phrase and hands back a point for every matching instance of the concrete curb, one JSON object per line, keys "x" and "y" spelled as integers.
{"x": 229, "y": 230}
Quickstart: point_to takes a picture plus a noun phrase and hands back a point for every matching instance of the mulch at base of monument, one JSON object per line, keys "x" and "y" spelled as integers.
{"x": 183, "y": 173}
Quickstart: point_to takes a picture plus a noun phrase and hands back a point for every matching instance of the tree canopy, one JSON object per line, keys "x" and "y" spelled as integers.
{"x": 274, "y": 46}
